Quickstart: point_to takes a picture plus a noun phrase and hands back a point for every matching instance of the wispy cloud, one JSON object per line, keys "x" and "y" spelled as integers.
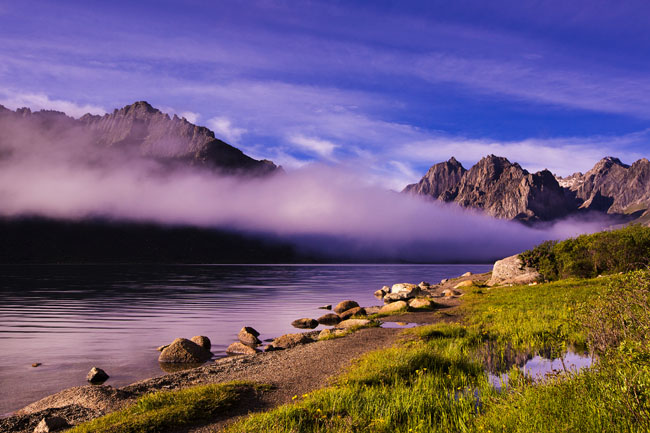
{"x": 224, "y": 128}
{"x": 40, "y": 101}
{"x": 322, "y": 148}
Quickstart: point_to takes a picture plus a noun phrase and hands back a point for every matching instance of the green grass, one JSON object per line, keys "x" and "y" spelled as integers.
{"x": 435, "y": 380}
{"x": 166, "y": 409}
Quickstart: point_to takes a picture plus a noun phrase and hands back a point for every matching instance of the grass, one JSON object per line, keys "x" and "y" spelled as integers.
{"x": 436, "y": 382}
{"x": 166, "y": 409}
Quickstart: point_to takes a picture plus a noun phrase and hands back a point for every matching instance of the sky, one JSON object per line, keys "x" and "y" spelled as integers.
{"x": 382, "y": 88}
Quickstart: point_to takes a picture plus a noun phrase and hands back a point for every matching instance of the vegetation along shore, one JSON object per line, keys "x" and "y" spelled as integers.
{"x": 461, "y": 369}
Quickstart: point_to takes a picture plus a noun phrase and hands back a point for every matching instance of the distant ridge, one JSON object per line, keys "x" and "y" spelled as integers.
{"x": 505, "y": 190}
{"x": 143, "y": 129}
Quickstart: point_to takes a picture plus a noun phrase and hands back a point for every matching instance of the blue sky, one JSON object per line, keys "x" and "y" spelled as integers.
{"x": 385, "y": 88}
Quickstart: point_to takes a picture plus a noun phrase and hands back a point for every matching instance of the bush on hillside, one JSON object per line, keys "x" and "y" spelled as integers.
{"x": 587, "y": 256}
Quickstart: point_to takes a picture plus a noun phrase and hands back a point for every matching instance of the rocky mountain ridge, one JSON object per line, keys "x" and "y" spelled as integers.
{"x": 505, "y": 190}
{"x": 148, "y": 132}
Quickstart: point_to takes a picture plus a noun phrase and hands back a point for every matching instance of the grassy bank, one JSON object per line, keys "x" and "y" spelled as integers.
{"x": 435, "y": 381}
{"x": 164, "y": 410}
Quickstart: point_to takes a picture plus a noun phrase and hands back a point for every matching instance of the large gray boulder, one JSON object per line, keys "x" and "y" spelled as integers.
{"x": 183, "y": 350}
{"x": 511, "y": 271}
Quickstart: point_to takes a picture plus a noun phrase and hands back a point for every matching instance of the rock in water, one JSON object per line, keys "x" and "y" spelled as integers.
{"x": 249, "y": 338}
{"x": 394, "y": 307}
{"x": 202, "y": 341}
{"x": 183, "y": 350}
{"x": 304, "y": 323}
{"x": 96, "y": 375}
{"x": 344, "y": 306}
{"x": 511, "y": 271}
{"x": 356, "y": 311}
{"x": 329, "y": 319}
{"x": 325, "y": 307}
{"x": 238, "y": 348}
{"x": 51, "y": 424}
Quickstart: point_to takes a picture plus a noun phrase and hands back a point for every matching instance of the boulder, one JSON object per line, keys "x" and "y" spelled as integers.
{"x": 356, "y": 311}
{"x": 421, "y": 303}
{"x": 96, "y": 375}
{"x": 353, "y": 322}
{"x": 394, "y": 297}
{"x": 466, "y": 283}
{"x": 405, "y": 287}
{"x": 329, "y": 319}
{"x": 202, "y": 341}
{"x": 380, "y": 293}
{"x": 372, "y": 310}
{"x": 467, "y": 274}
{"x": 304, "y": 323}
{"x": 424, "y": 285}
{"x": 183, "y": 350}
{"x": 51, "y": 424}
{"x": 288, "y": 341}
{"x": 249, "y": 338}
{"x": 448, "y": 293}
{"x": 345, "y": 306}
{"x": 511, "y": 271}
{"x": 394, "y": 307}
{"x": 239, "y": 348}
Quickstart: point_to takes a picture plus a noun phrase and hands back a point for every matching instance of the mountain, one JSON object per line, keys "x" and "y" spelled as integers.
{"x": 145, "y": 131}
{"x": 498, "y": 187}
{"x": 505, "y": 190}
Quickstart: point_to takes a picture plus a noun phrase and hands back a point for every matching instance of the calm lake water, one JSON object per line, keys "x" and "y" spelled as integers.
{"x": 73, "y": 317}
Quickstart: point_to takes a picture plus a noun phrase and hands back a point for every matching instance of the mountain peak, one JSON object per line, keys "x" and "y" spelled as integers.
{"x": 138, "y": 108}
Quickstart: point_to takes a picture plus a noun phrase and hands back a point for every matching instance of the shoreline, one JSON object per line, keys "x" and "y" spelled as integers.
{"x": 83, "y": 403}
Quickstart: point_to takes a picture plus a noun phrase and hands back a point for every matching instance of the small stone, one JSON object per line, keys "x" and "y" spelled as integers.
{"x": 304, "y": 323}
{"x": 36, "y": 364}
{"x": 329, "y": 319}
{"x": 394, "y": 307}
{"x": 444, "y": 280}
{"x": 424, "y": 285}
{"x": 248, "y": 338}
{"x": 96, "y": 375}
{"x": 353, "y": 322}
{"x": 250, "y": 330}
{"x": 202, "y": 341}
{"x": 239, "y": 348}
{"x": 326, "y": 307}
{"x": 466, "y": 274}
{"x": 345, "y": 306}
{"x": 448, "y": 293}
{"x": 356, "y": 311}
{"x": 51, "y": 424}
{"x": 328, "y": 333}
{"x": 466, "y": 283}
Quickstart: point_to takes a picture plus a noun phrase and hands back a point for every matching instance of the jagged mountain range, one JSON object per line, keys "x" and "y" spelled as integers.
{"x": 503, "y": 189}
{"x": 145, "y": 130}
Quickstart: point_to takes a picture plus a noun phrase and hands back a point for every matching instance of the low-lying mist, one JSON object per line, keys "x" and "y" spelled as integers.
{"x": 325, "y": 210}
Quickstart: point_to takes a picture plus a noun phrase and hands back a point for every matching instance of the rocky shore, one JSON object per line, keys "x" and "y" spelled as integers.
{"x": 293, "y": 364}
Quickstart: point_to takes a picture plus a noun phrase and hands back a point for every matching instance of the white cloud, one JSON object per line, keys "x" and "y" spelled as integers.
{"x": 190, "y": 116}
{"x": 40, "y": 101}
{"x": 224, "y": 129}
{"x": 320, "y": 147}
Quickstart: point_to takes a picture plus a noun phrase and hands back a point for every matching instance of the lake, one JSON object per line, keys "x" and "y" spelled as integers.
{"x": 70, "y": 318}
